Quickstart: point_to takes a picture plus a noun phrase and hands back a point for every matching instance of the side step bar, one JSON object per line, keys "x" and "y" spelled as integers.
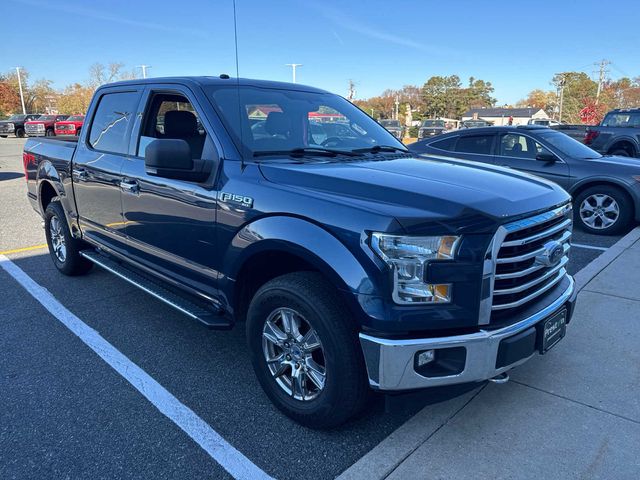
{"x": 208, "y": 316}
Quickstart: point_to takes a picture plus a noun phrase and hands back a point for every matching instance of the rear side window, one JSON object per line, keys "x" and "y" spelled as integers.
{"x": 445, "y": 143}
{"x": 479, "y": 144}
{"x": 111, "y": 120}
{"x": 622, "y": 119}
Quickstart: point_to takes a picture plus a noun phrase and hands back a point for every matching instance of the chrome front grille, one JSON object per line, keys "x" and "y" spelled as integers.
{"x": 34, "y": 127}
{"x": 531, "y": 258}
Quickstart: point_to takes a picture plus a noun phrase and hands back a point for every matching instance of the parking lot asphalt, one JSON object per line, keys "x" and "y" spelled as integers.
{"x": 68, "y": 414}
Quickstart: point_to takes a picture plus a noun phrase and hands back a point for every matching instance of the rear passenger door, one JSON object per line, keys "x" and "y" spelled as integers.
{"x": 519, "y": 151}
{"x": 476, "y": 147}
{"x": 171, "y": 223}
{"x": 97, "y": 163}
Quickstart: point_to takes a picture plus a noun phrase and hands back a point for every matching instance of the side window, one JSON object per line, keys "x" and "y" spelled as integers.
{"x": 514, "y": 145}
{"x": 172, "y": 116}
{"x": 445, "y": 143}
{"x": 111, "y": 120}
{"x": 479, "y": 144}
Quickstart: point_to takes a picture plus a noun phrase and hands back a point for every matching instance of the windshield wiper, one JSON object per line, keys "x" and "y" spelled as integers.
{"x": 308, "y": 151}
{"x": 380, "y": 148}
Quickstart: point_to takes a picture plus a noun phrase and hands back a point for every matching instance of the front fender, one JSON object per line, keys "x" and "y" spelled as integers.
{"x": 306, "y": 240}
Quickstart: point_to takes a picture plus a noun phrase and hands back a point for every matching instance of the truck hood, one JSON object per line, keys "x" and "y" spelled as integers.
{"x": 424, "y": 194}
{"x": 609, "y": 160}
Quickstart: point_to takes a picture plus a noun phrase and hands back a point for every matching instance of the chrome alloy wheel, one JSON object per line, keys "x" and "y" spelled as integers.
{"x": 599, "y": 211}
{"x": 294, "y": 354}
{"x": 57, "y": 239}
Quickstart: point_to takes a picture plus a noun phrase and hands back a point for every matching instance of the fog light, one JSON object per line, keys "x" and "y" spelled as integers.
{"x": 426, "y": 357}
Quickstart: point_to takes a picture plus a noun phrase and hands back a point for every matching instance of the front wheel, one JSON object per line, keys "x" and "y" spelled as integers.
{"x": 49, "y": 133}
{"x": 20, "y": 133}
{"x": 305, "y": 350}
{"x": 603, "y": 210}
{"x": 64, "y": 249}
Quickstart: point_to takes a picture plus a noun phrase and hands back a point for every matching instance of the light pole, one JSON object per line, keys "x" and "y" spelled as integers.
{"x": 24, "y": 110}
{"x": 144, "y": 70}
{"x": 293, "y": 69}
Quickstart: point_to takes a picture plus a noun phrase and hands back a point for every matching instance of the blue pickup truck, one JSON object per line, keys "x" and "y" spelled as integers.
{"x": 353, "y": 265}
{"x": 617, "y": 134}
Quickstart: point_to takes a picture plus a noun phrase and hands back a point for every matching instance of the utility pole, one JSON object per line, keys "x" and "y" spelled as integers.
{"x": 144, "y": 70}
{"x": 562, "y": 80}
{"x": 351, "y": 95}
{"x": 293, "y": 69}
{"x": 397, "y": 104}
{"x": 24, "y": 110}
{"x": 601, "y": 77}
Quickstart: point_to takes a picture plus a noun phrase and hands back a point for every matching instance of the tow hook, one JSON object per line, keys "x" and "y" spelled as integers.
{"x": 500, "y": 379}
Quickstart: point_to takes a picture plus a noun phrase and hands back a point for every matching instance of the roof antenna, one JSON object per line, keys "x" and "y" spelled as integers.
{"x": 235, "y": 36}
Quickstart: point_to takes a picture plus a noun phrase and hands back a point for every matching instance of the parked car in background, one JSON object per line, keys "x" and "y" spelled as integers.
{"x": 605, "y": 189}
{"x": 394, "y": 127}
{"x": 543, "y": 122}
{"x": 474, "y": 124}
{"x": 70, "y": 126}
{"x": 43, "y": 126}
{"x": 617, "y": 134}
{"x": 431, "y": 128}
{"x": 14, "y": 125}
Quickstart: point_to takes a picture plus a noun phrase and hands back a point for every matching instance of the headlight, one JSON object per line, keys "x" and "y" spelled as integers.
{"x": 407, "y": 257}
{"x": 11, "y": 126}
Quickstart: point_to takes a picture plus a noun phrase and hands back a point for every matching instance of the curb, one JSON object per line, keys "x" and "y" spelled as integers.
{"x": 385, "y": 457}
{"x": 593, "y": 268}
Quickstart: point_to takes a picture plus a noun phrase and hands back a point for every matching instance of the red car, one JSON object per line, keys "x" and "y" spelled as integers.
{"x": 70, "y": 126}
{"x": 43, "y": 126}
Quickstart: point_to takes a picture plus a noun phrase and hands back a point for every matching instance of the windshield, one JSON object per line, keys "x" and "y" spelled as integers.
{"x": 622, "y": 119}
{"x": 272, "y": 120}
{"x": 390, "y": 123}
{"x": 568, "y": 145}
{"x": 433, "y": 123}
{"x": 46, "y": 118}
{"x": 75, "y": 118}
{"x": 16, "y": 118}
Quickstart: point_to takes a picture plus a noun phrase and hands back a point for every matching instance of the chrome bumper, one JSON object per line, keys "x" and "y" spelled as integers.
{"x": 390, "y": 363}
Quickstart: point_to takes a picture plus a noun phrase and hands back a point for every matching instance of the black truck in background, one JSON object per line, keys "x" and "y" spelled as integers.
{"x": 14, "y": 125}
{"x": 353, "y": 265}
{"x": 617, "y": 134}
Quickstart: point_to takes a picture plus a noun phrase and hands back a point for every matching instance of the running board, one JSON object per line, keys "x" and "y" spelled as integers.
{"x": 210, "y": 317}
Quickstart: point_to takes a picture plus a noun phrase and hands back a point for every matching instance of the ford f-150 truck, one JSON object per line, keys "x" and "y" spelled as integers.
{"x": 14, "y": 125}
{"x": 353, "y": 265}
{"x": 617, "y": 134}
{"x": 70, "y": 126}
{"x": 43, "y": 126}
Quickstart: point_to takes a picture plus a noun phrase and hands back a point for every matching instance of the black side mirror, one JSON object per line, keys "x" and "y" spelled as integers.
{"x": 171, "y": 158}
{"x": 546, "y": 156}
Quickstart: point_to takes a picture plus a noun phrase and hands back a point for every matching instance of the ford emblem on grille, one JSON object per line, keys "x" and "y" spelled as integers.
{"x": 553, "y": 253}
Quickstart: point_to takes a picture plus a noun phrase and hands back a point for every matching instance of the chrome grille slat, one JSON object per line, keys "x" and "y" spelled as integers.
{"x": 523, "y": 265}
{"x": 533, "y": 283}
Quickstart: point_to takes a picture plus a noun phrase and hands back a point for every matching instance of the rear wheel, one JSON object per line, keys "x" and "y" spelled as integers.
{"x": 305, "y": 351}
{"x": 64, "y": 249}
{"x": 620, "y": 152}
{"x": 603, "y": 210}
{"x": 49, "y": 133}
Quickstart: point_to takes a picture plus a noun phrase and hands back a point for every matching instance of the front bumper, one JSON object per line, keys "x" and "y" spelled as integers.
{"x": 391, "y": 363}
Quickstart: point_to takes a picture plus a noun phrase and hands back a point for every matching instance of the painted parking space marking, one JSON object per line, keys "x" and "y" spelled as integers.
{"x": 589, "y": 247}
{"x": 234, "y": 462}
{"x": 24, "y": 249}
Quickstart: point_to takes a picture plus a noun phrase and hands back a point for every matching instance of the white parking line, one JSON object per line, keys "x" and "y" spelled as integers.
{"x": 218, "y": 448}
{"x": 590, "y": 247}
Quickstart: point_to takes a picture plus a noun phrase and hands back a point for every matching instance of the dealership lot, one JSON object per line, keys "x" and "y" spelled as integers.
{"x": 71, "y": 414}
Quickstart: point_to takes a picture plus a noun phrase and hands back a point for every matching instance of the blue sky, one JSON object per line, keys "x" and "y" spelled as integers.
{"x": 516, "y": 45}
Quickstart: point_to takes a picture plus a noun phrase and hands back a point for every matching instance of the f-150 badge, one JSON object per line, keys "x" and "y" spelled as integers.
{"x": 234, "y": 198}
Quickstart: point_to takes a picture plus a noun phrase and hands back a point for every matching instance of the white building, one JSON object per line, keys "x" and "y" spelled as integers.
{"x": 500, "y": 116}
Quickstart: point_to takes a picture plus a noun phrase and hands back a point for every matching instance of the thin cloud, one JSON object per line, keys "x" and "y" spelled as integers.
{"x": 97, "y": 15}
{"x": 339, "y": 18}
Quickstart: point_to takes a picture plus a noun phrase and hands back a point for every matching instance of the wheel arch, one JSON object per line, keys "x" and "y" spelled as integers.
{"x": 624, "y": 143}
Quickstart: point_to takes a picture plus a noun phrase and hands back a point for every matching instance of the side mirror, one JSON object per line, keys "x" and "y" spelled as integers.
{"x": 171, "y": 158}
{"x": 546, "y": 156}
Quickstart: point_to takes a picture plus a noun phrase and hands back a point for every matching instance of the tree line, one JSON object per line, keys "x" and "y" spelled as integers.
{"x": 448, "y": 97}
{"x": 40, "y": 96}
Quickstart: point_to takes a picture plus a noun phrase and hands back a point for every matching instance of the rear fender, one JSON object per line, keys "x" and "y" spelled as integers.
{"x": 48, "y": 174}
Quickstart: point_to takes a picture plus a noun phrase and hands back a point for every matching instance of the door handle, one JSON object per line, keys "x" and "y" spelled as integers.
{"x": 80, "y": 174}
{"x": 130, "y": 186}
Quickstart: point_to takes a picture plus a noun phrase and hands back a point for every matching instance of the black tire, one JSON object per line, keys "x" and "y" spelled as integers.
{"x": 72, "y": 264}
{"x": 620, "y": 152}
{"x": 20, "y": 133}
{"x": 78, "y": 132}
{"x": 625, "y": 210}
{"x": 4, "y": 136}
{"x": 49, "y": 133}
{"x": 346, "y": 390}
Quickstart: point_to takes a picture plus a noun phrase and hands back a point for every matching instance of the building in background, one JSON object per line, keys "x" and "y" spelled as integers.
{"x": 500, "y": 116}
